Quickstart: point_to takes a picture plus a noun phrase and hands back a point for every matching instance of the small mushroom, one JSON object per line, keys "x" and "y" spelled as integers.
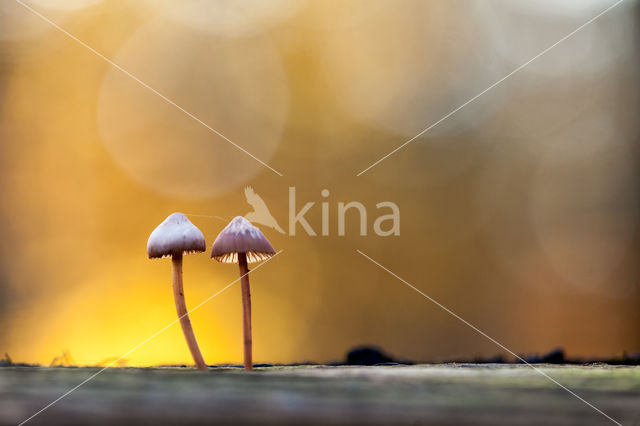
{"x": 241, "y": 242}
{"x": 172, "y": 238}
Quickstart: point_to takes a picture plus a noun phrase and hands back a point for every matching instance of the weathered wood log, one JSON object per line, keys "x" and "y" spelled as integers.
{"x": 422, "y": 394}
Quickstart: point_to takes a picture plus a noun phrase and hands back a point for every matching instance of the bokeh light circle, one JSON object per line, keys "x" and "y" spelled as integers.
{"x": 518, "y": 31}
{"x": 411, "y": 73}
{"x": 237, "y": 86}
{"x": 584, "y": 216}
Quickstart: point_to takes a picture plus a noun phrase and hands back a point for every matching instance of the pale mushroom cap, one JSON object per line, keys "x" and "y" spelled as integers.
{"x": 240, "y": 236}
{"x": 174, "y": 236}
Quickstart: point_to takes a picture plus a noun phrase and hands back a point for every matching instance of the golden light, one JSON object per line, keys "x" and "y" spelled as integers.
{"x": 520, "y": 208}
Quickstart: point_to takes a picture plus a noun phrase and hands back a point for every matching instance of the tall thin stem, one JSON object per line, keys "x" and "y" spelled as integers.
{"x": 183, "y": 314}
{"x": 246, "y": 310}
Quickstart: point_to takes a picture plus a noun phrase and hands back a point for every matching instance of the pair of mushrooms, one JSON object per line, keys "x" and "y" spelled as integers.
{"x": 240, "y": 242}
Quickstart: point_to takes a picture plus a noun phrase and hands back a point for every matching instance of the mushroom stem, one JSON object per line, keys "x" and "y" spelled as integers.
{"x": 183, "y": 314}
{"x": 246, "y": 309}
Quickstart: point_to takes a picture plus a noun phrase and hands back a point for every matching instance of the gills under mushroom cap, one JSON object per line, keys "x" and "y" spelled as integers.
{"x": 174, "y": 236}
{"x": 240, "y": 236}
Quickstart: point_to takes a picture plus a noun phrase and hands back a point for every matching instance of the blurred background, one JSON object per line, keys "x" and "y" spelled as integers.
{"x": 520, "y": 212}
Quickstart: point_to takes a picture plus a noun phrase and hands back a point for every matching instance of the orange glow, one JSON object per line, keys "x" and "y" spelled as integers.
{"x": 520, "y": 213}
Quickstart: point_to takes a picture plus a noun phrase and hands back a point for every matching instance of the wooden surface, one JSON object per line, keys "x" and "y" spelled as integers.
{"x": 488, "y": 394}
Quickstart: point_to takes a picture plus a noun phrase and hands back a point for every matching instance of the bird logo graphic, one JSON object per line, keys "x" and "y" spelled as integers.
{"x": 260, "y": 213}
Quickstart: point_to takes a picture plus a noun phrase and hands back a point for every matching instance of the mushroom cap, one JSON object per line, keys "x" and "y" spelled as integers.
{"x": 174, "y": 236}
{"x": 240, "y": 236}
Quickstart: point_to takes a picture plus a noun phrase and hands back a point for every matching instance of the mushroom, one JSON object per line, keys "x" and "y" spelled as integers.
{"x": 241, "y": 242}
{"x": 172, "y": 238}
